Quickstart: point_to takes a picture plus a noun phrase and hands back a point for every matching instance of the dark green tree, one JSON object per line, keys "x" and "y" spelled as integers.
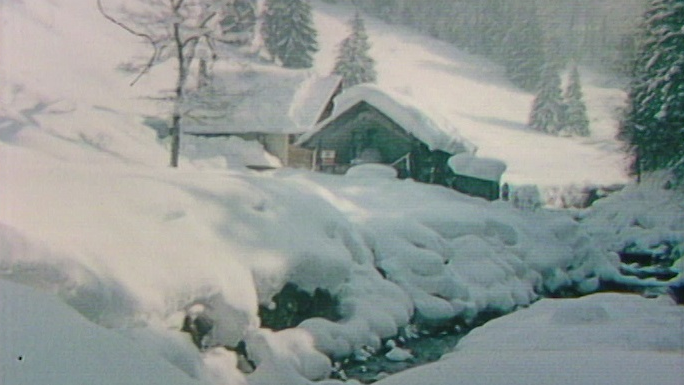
{"x": 354, "y": 63}
{"x": 548, "y": 108}
{"x": 288, "y": 32}
{"x": 654, "y": 122}
{"x": 576, "y": 121}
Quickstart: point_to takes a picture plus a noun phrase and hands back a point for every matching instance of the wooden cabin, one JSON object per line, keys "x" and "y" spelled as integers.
{"x": 369, "y": 125}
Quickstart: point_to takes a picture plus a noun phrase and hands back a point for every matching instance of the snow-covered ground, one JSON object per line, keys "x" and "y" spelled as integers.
{"x": 599, "y": 339}
{"x": 118, "y": 249}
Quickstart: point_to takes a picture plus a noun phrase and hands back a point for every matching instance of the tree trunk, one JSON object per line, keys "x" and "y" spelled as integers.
{"x": 176, "y": 126}
{"x": 175, "y": 139}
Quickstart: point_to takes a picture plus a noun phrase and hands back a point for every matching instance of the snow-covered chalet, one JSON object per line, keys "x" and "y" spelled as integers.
{"x": 371, "y": 125}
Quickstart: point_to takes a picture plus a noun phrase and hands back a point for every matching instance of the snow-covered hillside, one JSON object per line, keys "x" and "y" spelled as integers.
{"x": 474, "y": 94}
{"x": 92, "y": 219}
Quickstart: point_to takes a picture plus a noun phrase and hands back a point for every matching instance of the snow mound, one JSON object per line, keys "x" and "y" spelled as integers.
{"x": 456, "y": 256}
{"x": 641, "y": 217}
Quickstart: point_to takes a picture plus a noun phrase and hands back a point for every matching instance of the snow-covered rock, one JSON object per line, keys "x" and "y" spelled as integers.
{"x": 398, "y": 354}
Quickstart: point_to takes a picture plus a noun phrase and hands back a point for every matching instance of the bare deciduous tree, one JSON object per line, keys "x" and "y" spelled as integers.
{"x": 174, "y": 30}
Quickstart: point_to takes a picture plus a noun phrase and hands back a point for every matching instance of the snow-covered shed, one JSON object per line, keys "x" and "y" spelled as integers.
{"x": 267, "y": 104}
{"x": 476, "y": 176}
{"x": 371, "y": 125}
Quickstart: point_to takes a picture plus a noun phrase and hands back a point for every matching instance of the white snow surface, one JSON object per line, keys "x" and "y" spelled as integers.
{"x": 643, "y": 217}
{"x": 46, "y": 342}
{"x": 90, "y": 213}
{"x": 598, "y": 339}
{"x": 226, "y": 152}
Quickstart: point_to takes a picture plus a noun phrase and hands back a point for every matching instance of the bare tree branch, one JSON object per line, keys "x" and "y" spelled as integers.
{"x": 155, "y": 46}
{"x": 202, "y": 25}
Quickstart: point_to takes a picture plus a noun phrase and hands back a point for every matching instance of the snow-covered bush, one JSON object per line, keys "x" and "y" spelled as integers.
{"x": 643, "y": 217}
{"x": 526, "y": 198}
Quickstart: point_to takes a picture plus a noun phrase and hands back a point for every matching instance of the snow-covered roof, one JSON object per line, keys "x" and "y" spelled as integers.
{"x": 267, "y": 99}
{"x": 481, "y": 168}
{"x": 311, "y": 98}
{"x": 427, "y": 126}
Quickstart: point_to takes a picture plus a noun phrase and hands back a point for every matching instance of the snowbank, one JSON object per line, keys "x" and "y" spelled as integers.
{"x": 143, "y": 246}
{"x": 642, "y": 217}
{"x": 46, "y": 342}
{"x": 593, "y": 340}
{"x": 226, "y": 152}
{"x": 454, "y": 256}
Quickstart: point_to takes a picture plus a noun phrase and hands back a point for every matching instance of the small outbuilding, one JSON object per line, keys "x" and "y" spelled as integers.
{"x": 476, "y": 176}
{"x": 371, "y": 125}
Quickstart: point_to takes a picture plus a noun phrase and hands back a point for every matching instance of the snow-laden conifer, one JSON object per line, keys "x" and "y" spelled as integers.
{"x": 548, "y": 107}
{"x": 576, "y": 121}
{"x": 654, "y": 123}
{"x": 354, "y": 63}
{"x": 288, "y": 32}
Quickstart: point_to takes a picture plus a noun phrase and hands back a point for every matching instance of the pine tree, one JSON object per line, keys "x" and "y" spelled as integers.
{"x": 548, "y": 108}
{"x": 353, "y": 61}
{"x": 654, "y": 123}
{"x": 288, "y": 32}
{"x": 576, "y": 121}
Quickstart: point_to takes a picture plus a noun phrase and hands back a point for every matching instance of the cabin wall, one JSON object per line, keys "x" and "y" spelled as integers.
{"x": 276, "y": 144}
{"x": 476, "y": 187}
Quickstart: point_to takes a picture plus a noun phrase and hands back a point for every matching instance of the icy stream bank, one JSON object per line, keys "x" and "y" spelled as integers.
{"x": 390, "y": 253}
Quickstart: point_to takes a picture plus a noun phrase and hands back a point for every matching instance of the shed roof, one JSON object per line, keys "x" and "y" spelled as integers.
{"x": 480, "y": 168}
{"x": 267, "y": 99}
{"x": 429, "y": 127}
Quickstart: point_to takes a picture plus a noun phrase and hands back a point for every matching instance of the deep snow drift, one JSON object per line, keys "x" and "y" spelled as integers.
{"x": 142, "y": 247}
